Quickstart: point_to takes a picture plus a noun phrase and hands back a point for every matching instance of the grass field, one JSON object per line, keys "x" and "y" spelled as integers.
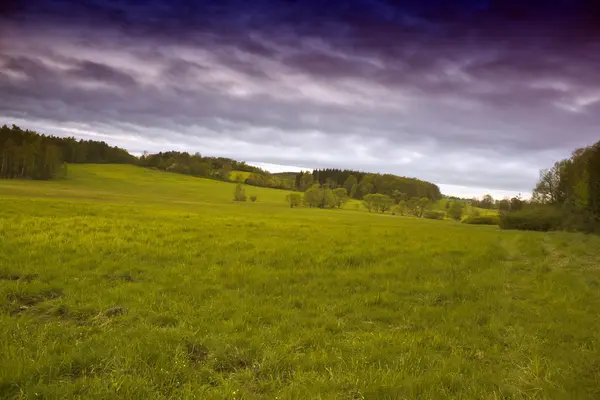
{"x": 122, "y": 282}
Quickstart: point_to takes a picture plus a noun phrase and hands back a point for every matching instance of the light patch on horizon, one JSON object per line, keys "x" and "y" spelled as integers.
{"x": 277, "y": 168}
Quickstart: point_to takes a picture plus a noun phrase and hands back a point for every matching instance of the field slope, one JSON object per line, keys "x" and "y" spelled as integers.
{"x": 123, "y": 282}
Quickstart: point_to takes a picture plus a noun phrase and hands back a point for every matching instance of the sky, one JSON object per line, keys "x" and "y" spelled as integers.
{"x": 476, "y": 96}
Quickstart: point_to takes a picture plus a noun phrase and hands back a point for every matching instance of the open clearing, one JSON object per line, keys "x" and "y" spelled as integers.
{"x": 123, "y": 282}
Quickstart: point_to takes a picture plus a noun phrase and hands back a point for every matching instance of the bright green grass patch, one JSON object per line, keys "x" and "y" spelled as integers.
{"x": 123, "y": 282}
{"x": 239, "y": 176}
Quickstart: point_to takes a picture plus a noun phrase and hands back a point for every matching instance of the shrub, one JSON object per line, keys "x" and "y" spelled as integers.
{"x": 317, "y": 196}
{"x": 455, "y": 211}
{"x": 400, "y": 208}
{"x": 377, "y": 202}
{"x": 295, "y": 199}
{"x": 240, "y": 193}
{"x": 431, "y": 214}
{"x": 482, "y": 220}
{"x": 340, "y": 196}
{"x": 541, "y": 218}
{"x": 253, "y": 198}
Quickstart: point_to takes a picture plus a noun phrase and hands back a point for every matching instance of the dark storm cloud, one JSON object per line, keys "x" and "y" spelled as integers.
{"x": 88, "y": 70}
{"x": 480, "y": 94}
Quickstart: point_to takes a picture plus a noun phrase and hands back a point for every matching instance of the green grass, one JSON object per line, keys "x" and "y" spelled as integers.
{"x": 440, "y": 205}
{"x": 122, "y": 282}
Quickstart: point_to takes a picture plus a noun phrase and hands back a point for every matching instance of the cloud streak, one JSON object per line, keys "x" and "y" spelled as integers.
{"x": 481, "y": 97}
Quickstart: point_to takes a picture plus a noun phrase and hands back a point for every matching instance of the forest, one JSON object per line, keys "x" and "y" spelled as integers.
{"x": 360, "y": 184}
{"x": 26, "y": 154}
{"x": 567, "y": 196}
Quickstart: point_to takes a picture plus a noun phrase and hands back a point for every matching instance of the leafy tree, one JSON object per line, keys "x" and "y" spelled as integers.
{"x": 327, "y": 198}
{"x": 368, "y": 202}
{"x": 294, "y": 199}
{"x": 353, "y": 190}
{"x": 340, "y": 196}
{"x": 365, "y": 187}
{"x": 504, "y": 205}
{"x": 401, "y": 207}
{"x": 422, "y": 205}
{"x": 384, "y": 202}
{"x": 455, "y": 211}
{"x": 516, "y": 203}
{"x": 313, "y": 196}
{"x": 549, "y": 190}
{"x": 350, "y": 184}
{"x": 239, "y": 193}
{"x": 224, "y": 172}
{"x": 378, "y": 202}
{"x": 487, "y": 202}
{"x": 319, "y": 197}
{"x": 306, "y": 181}
{"x": 398, "y": 196}
{"x": 331, "y": 183}
{"x": 412, "y": 206}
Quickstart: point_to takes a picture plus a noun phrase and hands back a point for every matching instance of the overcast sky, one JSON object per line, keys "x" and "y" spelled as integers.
{"x": 476, "y": 96}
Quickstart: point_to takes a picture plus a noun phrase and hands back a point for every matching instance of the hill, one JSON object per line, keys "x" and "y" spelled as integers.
{"x": 127, "y": 282}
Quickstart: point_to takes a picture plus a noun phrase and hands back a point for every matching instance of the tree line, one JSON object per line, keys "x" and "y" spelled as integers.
{"x": 322, "y": 196}
{"x": 220, "y": 168}
{"x": 360, "y": 184}
{"x": 26, "y": 154}
{"x": 566, "y": 196}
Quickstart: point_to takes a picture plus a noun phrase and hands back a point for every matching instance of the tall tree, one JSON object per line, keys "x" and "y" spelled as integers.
{"x": 340, "y": 196}
{"x": 365, "y": 186}
{"x": 350, "y": 184}
{"x": 422, "y": 205}
{"x": 487, "y": 202}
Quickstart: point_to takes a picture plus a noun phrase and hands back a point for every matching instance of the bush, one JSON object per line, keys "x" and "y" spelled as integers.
{"x": 534, "y": 219}
{"x": 455, "y": 211}
{"x": 377, "y": 202}
{"x": 240, "y": 193}
{"x": 482, "y": 220}
{"x": 434, "y": 214}
{"x": 253, "y": 198}
{"x": 474, "y": 212}
{"x": 294, "y": 199}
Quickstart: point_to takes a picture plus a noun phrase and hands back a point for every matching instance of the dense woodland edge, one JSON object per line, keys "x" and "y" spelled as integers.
{"x": 566, "y": 197}
{"x": 26, "y": 154}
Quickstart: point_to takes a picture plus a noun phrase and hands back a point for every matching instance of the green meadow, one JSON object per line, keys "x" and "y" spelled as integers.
{"x": 124, "y": 282}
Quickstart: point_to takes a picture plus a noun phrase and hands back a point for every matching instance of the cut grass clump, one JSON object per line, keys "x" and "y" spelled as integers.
{"x": 115, "y": 311}
{"x": 16, "y": 276}
{"x": 196, "y": 353}
{"x": 18, "y": 303}
{"x": 164, "y": 321}
{"x": 125, "y": 277}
